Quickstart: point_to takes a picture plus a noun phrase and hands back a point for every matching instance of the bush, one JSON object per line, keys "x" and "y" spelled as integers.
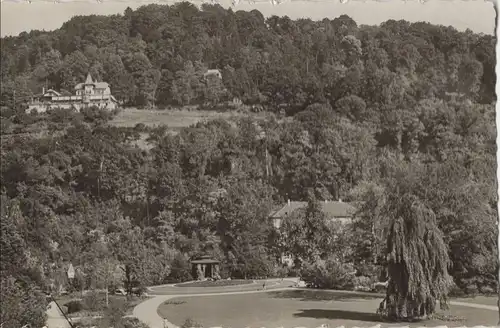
{"x": 93, "y": 302}
{"x": 61, "y": 115}
{"x": 190, "y": 323}
{"x": 133, "y": 323}
{"x": 139, "y": 291}
{"x": 113, "y": 315}
{"x": 281, "y": 271}
{"x": 369, "y": 270}
{"x": 140, "y": 127}
{"x": 256, "y": 266}
{"x": 96, "y": 115}
{"x": 6, "y": 126}
{"x": 363, "y": 283}
{"x": 88, "y": 323}
{"x": 180, "y": 269}
{"x": 329, "y": 274}
{"x": 487, "y": 290}
{"x": 74, "y": 306}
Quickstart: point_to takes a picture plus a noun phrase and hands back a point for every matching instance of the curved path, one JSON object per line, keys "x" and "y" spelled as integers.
{"x": 147, "y": 311}
{"x": 256, "y": 285}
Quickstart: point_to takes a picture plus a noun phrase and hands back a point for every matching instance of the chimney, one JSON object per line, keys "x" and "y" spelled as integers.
{"x": 289, "y": 202}
{"x": 43, "y": 90}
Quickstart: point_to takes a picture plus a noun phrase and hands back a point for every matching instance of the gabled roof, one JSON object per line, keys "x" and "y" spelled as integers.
{"x": 52, "y": 91}
{"x": 330, "y": 208}
{"x": 89, "y": 79}
{"x": 101, "y": 85}
{"x": 98, "y": 85}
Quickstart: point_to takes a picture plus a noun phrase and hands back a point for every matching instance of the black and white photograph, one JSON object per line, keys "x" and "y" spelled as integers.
{"x": 249, "y": 164}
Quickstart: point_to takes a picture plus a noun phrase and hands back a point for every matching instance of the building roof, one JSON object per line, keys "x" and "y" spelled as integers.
{"x": 89, "y": 79}
{"x": 52, "y": 91}
{"x": 331, "y": 208}
{"x": 98, "y": 85}
{"x": 101, "y": 85}
{"x": 205, "y": 259}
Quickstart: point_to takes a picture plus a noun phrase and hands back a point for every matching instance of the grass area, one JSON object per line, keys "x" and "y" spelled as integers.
{"x": 303, "y": 308}
{"x": 486, "y": 300}
{"x": 175, "y": 119}
{"x": 218, "y": 283}
{"x": 130, "y": 303}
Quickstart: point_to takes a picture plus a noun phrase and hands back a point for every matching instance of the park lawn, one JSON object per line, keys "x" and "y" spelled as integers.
{"x": 486, "y": 300}
{"x": 302, "y": 308}
{"x": 218, "y": 283}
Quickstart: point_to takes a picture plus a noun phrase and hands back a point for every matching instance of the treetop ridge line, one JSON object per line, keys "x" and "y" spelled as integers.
{"x": 376, "y": 326}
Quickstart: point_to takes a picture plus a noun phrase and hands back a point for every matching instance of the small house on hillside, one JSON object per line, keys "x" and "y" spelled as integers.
{"x": 213, "y": 72}
{"x": 337, "y": 211}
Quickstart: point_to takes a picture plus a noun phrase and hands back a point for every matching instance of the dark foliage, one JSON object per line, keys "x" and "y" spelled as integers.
{"x": 372, "y": 110}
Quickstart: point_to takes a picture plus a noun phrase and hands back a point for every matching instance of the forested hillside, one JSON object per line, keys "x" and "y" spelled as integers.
{"x": 376, "y": 113}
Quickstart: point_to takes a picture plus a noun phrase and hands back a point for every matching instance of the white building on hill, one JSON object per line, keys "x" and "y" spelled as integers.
{"x": 88, "y": 94}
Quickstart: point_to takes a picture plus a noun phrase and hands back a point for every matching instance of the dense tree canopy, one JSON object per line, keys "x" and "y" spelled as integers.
{"x": 158, "y": 54}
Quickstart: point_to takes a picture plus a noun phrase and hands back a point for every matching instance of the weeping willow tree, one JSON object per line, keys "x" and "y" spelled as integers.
{"x": 417, "y": 261}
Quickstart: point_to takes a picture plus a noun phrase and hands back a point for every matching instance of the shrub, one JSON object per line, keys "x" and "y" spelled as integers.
{"x": 487, "y": 290}
{"x": 61, "y": 115}
{"x": 180, "y": 269}
{"x": 282, "y": 271}
{"x": 113, "y": 315}
{"x": 74, "y": 306}
{"x": 140, "y": 127}
{"x": 93, "y": 301}
{"x": 190, "y": 323}
{"x": 133, "y": 323}
{"x": 96, "y": 115}
{"x": 5, "y": 126}
{"x": 363, "y": 283}
{"x": 369, "y": 270}
{"x": 329, "y": 274}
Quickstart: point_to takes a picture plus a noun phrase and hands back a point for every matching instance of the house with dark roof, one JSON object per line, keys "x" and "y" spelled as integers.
{"x": 336, "y": 211}
{"x": 88, "y": 93}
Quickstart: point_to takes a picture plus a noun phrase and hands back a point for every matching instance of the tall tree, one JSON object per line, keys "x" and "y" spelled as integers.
{"x": 417, "y": 260}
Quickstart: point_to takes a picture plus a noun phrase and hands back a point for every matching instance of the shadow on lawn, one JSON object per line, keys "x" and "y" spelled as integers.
{"x": 321, "y": 295}
{"x": 339, "y": 314}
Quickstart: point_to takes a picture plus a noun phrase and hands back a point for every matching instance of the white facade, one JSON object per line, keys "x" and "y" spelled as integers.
{"x": 88, "y": 94}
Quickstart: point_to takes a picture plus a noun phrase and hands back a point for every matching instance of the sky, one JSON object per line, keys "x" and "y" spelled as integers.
{"x": 478, "y": 15}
